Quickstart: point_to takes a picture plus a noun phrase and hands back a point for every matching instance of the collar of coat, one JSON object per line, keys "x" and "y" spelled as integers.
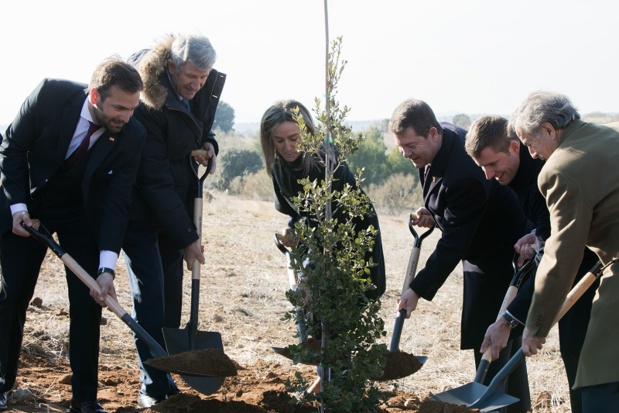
{"x": 152, "y": 69}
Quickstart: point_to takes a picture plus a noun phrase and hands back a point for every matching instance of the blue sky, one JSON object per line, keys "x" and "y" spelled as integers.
{"x": 460, "y": 56}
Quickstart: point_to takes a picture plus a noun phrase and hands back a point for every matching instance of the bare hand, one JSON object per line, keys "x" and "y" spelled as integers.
{"x": 287, "y": 238}
{"x": 24, "y": 217}
{"x": 192, "y": 253}
{"x": 531, "y": 344}
{"x": 408, "y": 301}
{"x": 496, "y": 338}
{"x": 106, "y": 287}
{"x": 525, "y": 246}
{"x": 423, "y": 218}
{"x": 202, "y": 156}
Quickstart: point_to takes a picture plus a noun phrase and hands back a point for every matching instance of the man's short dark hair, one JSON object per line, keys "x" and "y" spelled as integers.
{"x": 114, "y": 72}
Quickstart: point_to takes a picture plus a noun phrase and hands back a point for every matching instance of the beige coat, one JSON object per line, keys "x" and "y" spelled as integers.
{"x": 580, "y": 182}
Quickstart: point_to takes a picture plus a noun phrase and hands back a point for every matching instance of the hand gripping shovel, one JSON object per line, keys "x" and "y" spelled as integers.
{"x": 486, "y": 399}
{"x": 512, "y": 290}
{"x": 396, "y": 366}
{"x": 190, "y": 338}
{"x": 410, "y": 274}
{"x": 44, "y": 236}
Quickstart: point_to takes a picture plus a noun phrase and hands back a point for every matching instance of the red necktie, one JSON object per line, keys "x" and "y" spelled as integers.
{"x": 83, "y": 146}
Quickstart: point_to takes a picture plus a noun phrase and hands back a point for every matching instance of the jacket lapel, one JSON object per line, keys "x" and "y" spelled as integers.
{"x": 70, "y": 118}
{"x": 100, "y": 151}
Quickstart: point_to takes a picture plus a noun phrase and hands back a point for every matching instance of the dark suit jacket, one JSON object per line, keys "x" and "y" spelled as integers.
{"x": 34, "y": 149}
{"x": 480, "y": 221}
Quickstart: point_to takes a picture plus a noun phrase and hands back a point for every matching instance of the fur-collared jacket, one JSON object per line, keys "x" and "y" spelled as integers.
{"x": 166, "y": 184}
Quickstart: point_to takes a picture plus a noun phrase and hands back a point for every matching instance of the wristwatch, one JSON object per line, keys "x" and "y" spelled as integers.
{"x": 107, "y": 270}
{"x": 511, "y": 321}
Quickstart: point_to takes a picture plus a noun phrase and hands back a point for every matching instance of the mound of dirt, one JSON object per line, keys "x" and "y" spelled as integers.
{"x": 399, "y": 364}
{"x": 44, "y": 385}
{"x": 202, "y": 362}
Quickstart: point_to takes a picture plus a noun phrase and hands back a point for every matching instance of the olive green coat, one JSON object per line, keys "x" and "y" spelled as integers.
{"x": 580, "y": 182}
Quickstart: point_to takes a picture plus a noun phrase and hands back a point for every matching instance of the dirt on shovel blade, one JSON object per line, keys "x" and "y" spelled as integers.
{"x": 435, "y": 406}
{"x": 399, "y": 364}
{"x": 204, "y": 362}
{"x": 312, "y": 344}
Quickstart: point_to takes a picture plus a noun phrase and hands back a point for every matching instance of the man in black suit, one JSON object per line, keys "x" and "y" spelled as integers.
{"x": 68, "y": 161}
{"x": 480, "y": 221}
{"x": 177, "y": 108}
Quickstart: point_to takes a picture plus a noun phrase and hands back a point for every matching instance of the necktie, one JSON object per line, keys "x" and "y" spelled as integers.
{"x": 83, "y": 146}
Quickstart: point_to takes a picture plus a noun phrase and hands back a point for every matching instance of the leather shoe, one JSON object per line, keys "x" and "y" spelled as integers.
{"x": 86, "y": 407}
{"x": 3, "y": 401}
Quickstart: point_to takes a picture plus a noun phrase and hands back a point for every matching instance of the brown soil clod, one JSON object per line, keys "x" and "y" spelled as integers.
{"x": 312, "y": 344}
{"x": 399, "y": 365}
{"x": 204, "y": 362}
{"x": 436, "y": 406}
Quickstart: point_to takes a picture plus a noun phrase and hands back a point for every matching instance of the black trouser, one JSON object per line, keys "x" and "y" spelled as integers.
{"x": 152, "y": 308}
{"x": 484, "y": 289}
{"x": 600, "y": 398}
{"x": 21, "y": 260}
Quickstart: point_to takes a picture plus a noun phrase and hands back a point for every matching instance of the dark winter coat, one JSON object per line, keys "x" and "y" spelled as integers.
{"x": 286, "y": 186}
{"x": 166, "y": 184}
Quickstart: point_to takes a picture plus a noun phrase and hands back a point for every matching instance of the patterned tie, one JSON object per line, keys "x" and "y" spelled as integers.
{"x": 83, "y": 146}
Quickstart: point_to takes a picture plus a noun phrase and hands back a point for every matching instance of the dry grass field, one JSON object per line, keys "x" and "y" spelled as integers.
{"x": 242, "y": 297}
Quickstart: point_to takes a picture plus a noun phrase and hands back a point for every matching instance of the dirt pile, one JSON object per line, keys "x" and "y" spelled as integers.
{"x": 203, "y": 362}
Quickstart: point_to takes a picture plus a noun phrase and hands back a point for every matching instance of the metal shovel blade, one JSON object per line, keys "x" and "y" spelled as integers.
{"x": 397, "y": 333}
{"x": 178, "y": 341}
{"x": 470, "y": 393}
{"x": 485, "y": 398}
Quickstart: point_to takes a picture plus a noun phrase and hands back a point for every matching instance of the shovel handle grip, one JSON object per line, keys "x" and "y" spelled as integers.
{"x": 579, "y": 289}
{"x": 92, "y": 284}
{"x": 411, "y": 268}
{"x": 486, "y": 358}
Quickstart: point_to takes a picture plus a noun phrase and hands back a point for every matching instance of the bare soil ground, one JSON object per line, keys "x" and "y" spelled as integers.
{"x": 242, "y": 297}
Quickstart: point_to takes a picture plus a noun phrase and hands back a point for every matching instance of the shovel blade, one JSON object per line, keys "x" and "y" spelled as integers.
{"x": 469, "y": 395}
{"x": 180, "y": 340}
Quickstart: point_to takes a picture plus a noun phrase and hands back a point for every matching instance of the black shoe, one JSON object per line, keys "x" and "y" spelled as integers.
{"x": 86, "y": 407}
{"x": 3, "y": 401}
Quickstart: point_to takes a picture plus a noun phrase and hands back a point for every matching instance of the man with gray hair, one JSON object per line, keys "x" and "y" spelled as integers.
{"x": 181, "y": 93}
{"x": 580, "y": 182}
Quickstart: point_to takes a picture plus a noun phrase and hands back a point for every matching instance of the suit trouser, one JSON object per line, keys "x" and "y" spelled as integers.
{"x": 148, "y": 288}
{"x": 600, "y": 398}
{"x": 172, "y": 261}
{"x": 21, "y": 260}
{"x": 484, "y": 289}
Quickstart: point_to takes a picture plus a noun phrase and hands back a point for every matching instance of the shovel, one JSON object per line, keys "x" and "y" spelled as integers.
{"x": 514, "y": 286}
{"x": 410, "y": 274}
{"x": 293, "y": 282}
{"x": 44, "y": 236}
{"x": 399, "y": 364}
{"x": 179, "y": 340}
{"x": 493, "y": 397}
